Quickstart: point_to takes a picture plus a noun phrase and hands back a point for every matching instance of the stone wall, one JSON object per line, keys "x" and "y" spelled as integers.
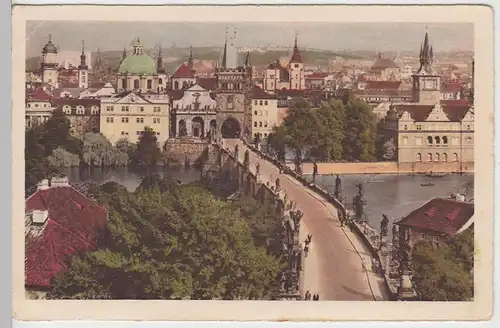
{"x": 387, "y": 168}
{"x": 191, "y": 148}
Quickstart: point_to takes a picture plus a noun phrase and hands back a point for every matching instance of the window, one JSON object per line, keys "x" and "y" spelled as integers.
{"x": 109, "y": 120}
{"x": 109, "y": 108}
{"x": 406, "y": 127}
{"x": 124, "y": 119}
{"x": 29, "y": 105}
{"x": 419, "y": 127}
{"x": 255, "y": 102}
{"x": 156, "y": 109}
{"x": 160, "y": 81}
{"x": 150, "y": 84}
{"x": 141, "y": 109}
{"x": 296, "y": 65}
{"x": 429, "y": 157}
{"x": 419, "y": 157}
{"x": 260, "y": 124}
{"x": 255, "y": 124}
{"x": 125, "y": 108}
{"x": 124, "y": 84}
{"x": 260, "y": 103}
{"x": 136, "y": 84}
{"x": 468, "y": 140}
{"x": 156, "y": 120}
{"x": 157, "y": 133}
{"x": 429, "y": 140}
{"x": 438, "y": 140}
{"x": 123, "y": 133}
{"x": 265, "y": 102}
{"x": 445, "y": 140}
{"x": 176, "y": 85}
{"x": 139, "y": 120}
{"x": 445, "y": 157}
{"x": 255, "y": 112}
{"x": 437, "y": 157}
{"x": 468, "y": 127}
{"x": 265, "y": 124}
{"x": 265, "y": 135}
{"x": 230, "y": 100}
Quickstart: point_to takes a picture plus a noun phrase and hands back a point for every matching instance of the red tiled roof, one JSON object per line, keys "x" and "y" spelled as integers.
{"x": 383, "y": 85}
{"x": 456, "y": 102}
{"x": 183, "y": 72}
{"x": 209, "y": 83}
{"x": 441, "y": 215}
{"x": 317, "y": 75}
{"x": 71, "y": 227}
{"x": 76, "y": 101}
{"x": 284, "y": 74}
{"x": 451, "y": 87}
{"x": 419, "y": 113}
{"x": 259, "y": 93}
{"x": 296, "y": 56}
{"x": 39, "y": 95}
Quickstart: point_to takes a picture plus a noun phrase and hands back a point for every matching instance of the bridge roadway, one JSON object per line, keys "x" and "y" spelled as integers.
{"x": 335, "y": 271}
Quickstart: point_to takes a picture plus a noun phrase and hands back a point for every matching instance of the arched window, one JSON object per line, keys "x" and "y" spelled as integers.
{"x": 437, "y": 157}
{"x": 445, "y": 157}
{"x": 438, "y": 140}
{"x": 429, "y": 140}
{"x": 176, "y": 85}
{"x": 455, "y": 157}
{"x": 124, "y": 83}
{"x": 184, "y": 84}
{"x": 265, "y": 124}
{"x": 136, "y": 84}
{"x": 160, "y": 81}
{"x": 445, "y": 140}
{"x": 429, "y": 157}
{"x": 419, "y": 157}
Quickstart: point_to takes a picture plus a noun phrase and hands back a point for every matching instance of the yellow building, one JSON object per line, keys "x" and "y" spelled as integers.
{"x": 126, "y": 115}
{"x": 264, "y": 113}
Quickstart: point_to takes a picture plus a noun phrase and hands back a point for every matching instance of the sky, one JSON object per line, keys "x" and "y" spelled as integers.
{"x": 328, "y": 36}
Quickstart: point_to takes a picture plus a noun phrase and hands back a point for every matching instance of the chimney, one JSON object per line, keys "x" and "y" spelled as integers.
{"x": 59, "y": 182}
{"x": 40, "y": 216}
{"x": 43, "y": 185}
{"x": 460, "y": 197}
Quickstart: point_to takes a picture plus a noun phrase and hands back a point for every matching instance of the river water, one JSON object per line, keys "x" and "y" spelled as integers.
{"x": 127, "y": 177}
{"x": 395, "y": 195}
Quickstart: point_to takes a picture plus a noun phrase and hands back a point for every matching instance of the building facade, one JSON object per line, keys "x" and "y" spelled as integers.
{"x": 194, "y": 112}
{"x": 50, "y": 64}
{"x": 126, "y": 115}
{"x": 265, "y": 113}
{"x": 38, "y": 108}
{"x": 83, "y": 114}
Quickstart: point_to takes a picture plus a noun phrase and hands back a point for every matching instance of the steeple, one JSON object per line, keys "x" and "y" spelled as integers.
{"x": 247, "y": 59}
{"x": 224, "y": 55}
{"x": 138, "y": 49}
{"x": 426, "y": 57}
{"x": 190, "y": 59}
{"x": 124, "y": 55}
{"x": 296, "y": 57}
{"x": 159, "y": 61}
{"x": 83, "y": 64}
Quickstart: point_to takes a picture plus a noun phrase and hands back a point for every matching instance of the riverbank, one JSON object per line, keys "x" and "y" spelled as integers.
{"x": 386, "y": 168}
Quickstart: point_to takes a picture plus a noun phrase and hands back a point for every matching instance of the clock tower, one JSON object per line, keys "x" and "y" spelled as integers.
{"x": 426, "y": 81}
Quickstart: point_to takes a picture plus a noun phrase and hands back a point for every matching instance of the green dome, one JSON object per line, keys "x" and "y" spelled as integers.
{"x": 137, "y": 65}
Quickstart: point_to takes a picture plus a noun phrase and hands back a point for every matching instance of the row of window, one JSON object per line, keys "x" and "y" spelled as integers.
{"x": 419, "y": 127}
{"x": 260, "y": 134}
{"x": 437, "y": 157}
{"x": 127, "y": 109}
{"x": 196, "y": 106}
{"x": 125, "y": 133}
{"x": 260, "y": 102}
{"x": 149, "y": 84}
{"x": 231, "y": 86}
{"x": 260, "y": 113}
{"x": 260, "y": 124}
{"x": 110, "y": 119}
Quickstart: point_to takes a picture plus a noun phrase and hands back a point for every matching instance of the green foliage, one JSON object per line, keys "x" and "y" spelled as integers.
{"x": 98, "y": 151}
{"x": 277, "y": 141}
{"x": 147, "y": 153}
{"x": 62, "y": 158}
{"x": 328, "y": 145}
{"x": 360, "y": 132}
{"x": 389, "y": 150}
{"x": 56, "y": 133}
{"x": 445, "y": 273}
{"x": 171, "y": 241}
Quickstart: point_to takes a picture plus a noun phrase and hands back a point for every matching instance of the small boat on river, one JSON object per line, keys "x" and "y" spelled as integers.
{"x": 435, "y": 174}
{"x": 428, "y": 184}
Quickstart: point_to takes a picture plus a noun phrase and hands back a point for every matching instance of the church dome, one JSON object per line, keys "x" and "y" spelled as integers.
{"x": 49, "y": 47}
{"x": 138, "y": 63}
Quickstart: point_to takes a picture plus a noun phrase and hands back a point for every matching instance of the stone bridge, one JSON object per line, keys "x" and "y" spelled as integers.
{"x": 336, "y": 264}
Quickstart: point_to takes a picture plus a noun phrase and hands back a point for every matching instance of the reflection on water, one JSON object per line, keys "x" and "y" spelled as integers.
{"x": 128, "y": 177}
{"x": 395, "y": 195}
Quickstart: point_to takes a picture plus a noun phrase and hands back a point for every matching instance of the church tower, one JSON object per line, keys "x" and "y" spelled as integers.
{"x": 232, "y": 95}
{"x": 426, "y": 81}
{"x": 297, "y": 76}
{"x": 50, "y": 75}
{"x": 83, "y": 70}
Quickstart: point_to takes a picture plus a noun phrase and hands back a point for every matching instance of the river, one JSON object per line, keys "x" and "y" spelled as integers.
{"x": 127, "y": 177}
{"x": 395, "y": 195}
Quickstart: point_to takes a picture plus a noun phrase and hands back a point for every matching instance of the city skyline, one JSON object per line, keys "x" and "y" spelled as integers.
{"x": 109, "y": 36}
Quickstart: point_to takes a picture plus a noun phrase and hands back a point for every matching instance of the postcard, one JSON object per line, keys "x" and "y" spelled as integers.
{"x": 283, "y": 163}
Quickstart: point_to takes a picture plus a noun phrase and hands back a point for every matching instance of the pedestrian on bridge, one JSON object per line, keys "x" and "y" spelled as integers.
{"x": 306, "y": 250}
{"x": 307, "y": 297}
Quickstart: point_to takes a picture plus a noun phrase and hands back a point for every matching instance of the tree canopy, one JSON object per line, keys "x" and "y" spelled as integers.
{"x": 171, "y": 241}
{"x": 147, "y": 152}
{"x": 445, "y": 273}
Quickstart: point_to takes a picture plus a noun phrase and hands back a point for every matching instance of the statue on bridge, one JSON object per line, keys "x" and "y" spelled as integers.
{"x": 338, "y": 189}
{"x": 296, "y": 218}
{"x": 315, "y": 172}
{"x": 246, "y": 160}
{"x": 395, "y": 234}
{"x": 383, "y": 226}
{"x": 278, "y": 186}
{"x": 236, "y": 149}
{"x": 405, "y": 254}
{"x": 257, "y": 168}
{"x": 359, "y": 204}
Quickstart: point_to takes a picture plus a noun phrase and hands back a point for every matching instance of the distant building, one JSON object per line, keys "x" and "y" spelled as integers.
{"x": 38, "y": 107}
{"x": 435, "y": 221}
{"x": 265, "y": 113}
{"x": 278, "y": 77}
{"x": 127, "y": 114}
{"x": 385, "y": 69}
{"x": 71, "y": 59}
{"x": 50, "y": 64}
{"x": 59, "y": 221}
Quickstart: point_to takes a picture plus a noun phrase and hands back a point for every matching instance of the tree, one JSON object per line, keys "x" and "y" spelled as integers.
{"x": 445, "y": 272}
{"x": 277, "y": 141}
{"x": 389, "y": 149}
{"x": 98, "y": 151}
{"x": 360, "y": 131}
{"x": 62, "y": 158}
{"x": 147, "y": 153}
{"x": 330, "y": 132}
{"x": 170, "y": 241}
{"x": 57, "y": 133}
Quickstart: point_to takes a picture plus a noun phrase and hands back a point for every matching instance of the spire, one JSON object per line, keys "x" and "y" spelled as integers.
{"x": 83, "y": 64}
{"x": 159, "y": 61}
{"x": 124, "y": 54}
{"x": 190, "y": 59}
{"x": 426, "y": 56}
{"x": 296, "y": 57}
{"x": 247, "y": 59}
{"x": 224, "y": 55}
